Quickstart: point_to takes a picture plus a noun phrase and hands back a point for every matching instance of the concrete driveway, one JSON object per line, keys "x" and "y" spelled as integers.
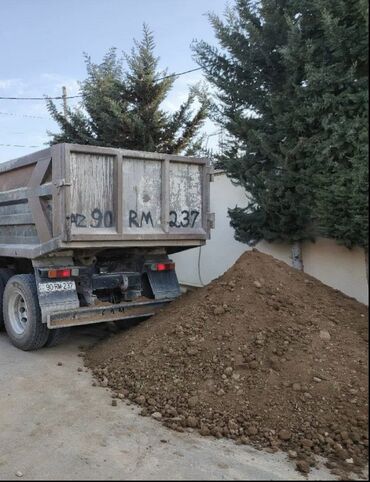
{"x": 54, "y": 425}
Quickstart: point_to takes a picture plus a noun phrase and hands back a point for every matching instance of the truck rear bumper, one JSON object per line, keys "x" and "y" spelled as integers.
{"x": 101, "y": 314}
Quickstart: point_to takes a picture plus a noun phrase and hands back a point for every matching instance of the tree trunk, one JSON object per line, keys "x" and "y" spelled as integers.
{"x": 367, "y": 263}
{"x": 297, "y": 261}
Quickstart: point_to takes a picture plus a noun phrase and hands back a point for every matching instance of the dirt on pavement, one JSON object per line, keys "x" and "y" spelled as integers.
{"x": 265, "y": 355}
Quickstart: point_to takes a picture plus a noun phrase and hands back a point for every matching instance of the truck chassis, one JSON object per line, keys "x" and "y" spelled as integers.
{"x": 86, "y": 233}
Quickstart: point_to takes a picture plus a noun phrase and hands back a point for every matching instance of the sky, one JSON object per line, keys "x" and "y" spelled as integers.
{"x": 42, "y": 44}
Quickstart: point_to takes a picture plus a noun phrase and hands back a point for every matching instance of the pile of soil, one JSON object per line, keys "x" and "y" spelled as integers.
{"x": 265, "y": 355}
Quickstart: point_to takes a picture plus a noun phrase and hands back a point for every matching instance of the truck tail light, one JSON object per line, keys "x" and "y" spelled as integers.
{"x": 162, "y": 266}
{"x": 60, "y": 273}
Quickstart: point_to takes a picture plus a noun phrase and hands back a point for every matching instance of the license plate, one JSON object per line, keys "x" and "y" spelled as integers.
{"x": 57, "y": 286}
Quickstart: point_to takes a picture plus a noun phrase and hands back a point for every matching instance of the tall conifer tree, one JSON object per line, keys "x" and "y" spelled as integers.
{"x": 256, "y": 87}
{"x": 122, "y": 106}
{"x": 335, "y": 107}
{"x": 290, "y": 77}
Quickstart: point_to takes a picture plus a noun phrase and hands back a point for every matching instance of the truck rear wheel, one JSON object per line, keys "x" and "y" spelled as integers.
{"x": 2, "y": 287}
{"x": 5, "y": 274}
{"x": 22, "y": 316}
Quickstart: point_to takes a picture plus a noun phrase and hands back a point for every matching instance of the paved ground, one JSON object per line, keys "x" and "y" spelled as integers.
{"x": 55, "y": 425}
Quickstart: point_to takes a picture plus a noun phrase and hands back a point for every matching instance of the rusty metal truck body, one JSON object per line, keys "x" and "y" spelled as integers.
{"x": 89, "y": 230}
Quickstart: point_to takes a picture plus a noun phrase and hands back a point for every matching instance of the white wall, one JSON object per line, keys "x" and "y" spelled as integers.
{"x": 332, "y": 264}
{"x": 221, "y": 251}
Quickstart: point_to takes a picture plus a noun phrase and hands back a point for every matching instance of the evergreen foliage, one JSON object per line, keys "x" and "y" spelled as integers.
{"x": 336, "y": 111}
{"x": 291, "y": 77}
{"x": 122, "y": 106}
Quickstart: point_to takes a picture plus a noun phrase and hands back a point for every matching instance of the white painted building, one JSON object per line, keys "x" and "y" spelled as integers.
{"x": 332, "y": 264}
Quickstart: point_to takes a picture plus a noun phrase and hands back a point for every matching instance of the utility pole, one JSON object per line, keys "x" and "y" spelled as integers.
{"x": 221, "y": 140}
{"x": 64, "y": 96}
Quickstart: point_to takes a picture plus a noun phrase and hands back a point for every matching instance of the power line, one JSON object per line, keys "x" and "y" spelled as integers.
{"x": 60, "y": 97}
{"x": 180, "y": 73}
{"x": 23, "y": 115}
{"x": 40, "y": 98}
{"x": 16, "y": 145}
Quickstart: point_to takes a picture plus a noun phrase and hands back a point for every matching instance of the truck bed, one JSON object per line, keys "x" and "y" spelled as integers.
{"x": 84, "y": 197}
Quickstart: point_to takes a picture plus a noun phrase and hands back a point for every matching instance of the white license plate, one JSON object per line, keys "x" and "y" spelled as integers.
{"x": 57, "y": 286}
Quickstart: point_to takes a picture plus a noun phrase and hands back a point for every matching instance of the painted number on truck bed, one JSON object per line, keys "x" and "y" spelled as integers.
{"x": 104, "y": 219}
{"x": 182, "y": 219}
{"x": 96, "y": 219}
{"x": 57, "y": 286}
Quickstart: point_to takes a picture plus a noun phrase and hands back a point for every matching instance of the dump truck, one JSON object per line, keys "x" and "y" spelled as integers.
{"x": 86, "y": 235}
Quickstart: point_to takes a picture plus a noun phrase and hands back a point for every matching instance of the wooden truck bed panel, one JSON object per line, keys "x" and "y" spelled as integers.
{"x": 71, "y": 196}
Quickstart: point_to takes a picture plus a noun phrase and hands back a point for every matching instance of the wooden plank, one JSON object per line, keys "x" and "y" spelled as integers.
{"x": 101, "y": 245}
{"x": 134, "y": 154}
{"x": 35, "y": 251}
{"x": 185, "y": 193}
{"x": 194, "y": 234}
{"x": 57, "y": 158}
{"x": 18, "y": 234}
{"x": 9, "y": 219}
{"x": 16, "y": 178}
{"x": 38, "y": 173}
{"x": 12, "y": 208}
{"x": 67, "y": 175}
{"x": 23, "y": 193}
{"x": 13, "y": 195}
{"x": 141, "y": 192}
{"x": 92, "y": 193}
{"x": 86, "y": 149}
{"x": 43, "y": 190}
{"x": 25, "y": 160}
{"x": 118, "y": 197}
{"x": 205, "y": 197}
{"x": 29, "y": 251}
{"x": 165, "y": 194}
{"x": 40, "y": 220}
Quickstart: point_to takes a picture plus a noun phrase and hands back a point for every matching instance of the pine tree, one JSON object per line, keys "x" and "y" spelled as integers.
{"x": 291, "y": 78}
{"x": 121, "y": 106}
{"x": 256, "y": 87}
{"x": 336, "y": 109}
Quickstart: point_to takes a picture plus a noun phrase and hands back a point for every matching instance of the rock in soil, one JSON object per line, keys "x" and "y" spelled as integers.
{"x": 157, "y": 415}
{"x": 303, "y": 466}
{"x": 285, "y": 434}
{"x": 250, "y": 364}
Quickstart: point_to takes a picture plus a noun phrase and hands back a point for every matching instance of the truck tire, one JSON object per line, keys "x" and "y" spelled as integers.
{"x": 5, "y": 274}
{"x": 22, "y": 315}
{"x": 57, "y": 336}
{"x": 2, "y": 288}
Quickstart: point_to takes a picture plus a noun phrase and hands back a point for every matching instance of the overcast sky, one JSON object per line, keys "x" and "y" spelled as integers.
{"x": 41, "y": 46}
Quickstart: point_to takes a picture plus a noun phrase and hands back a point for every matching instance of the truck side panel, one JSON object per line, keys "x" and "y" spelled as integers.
{"x": 129, "y": 195}
{"x": 26, "y": 200}
{"x": 72, "y": 196}
{"x": 92, "y": 194}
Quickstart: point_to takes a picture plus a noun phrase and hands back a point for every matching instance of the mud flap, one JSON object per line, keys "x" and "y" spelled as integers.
{"x": 56, "y": 296}
{"x": 164, "y": 284}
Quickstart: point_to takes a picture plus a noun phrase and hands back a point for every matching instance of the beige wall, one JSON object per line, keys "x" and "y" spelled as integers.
{"x": 337, "y": 266}
{"x": 332, "y": 264}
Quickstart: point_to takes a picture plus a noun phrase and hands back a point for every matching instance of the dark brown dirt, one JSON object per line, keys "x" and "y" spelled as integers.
{"x": 264, "y": 355}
